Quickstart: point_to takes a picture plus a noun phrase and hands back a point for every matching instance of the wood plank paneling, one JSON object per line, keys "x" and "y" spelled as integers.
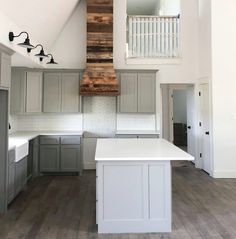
{"x": 99, "y": 77}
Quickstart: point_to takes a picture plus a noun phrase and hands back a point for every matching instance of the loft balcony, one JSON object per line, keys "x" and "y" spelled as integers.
{"x": 153, "y": 39}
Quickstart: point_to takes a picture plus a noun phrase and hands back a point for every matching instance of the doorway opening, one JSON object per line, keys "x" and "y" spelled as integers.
{"x": 179, "y": 98}
{"x": 178, "y": 114}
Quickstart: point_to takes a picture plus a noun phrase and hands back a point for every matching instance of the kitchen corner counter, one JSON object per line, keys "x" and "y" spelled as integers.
{"x": 28, "y": 135}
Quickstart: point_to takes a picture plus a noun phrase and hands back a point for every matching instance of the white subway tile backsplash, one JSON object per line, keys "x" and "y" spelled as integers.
{"x": 49, "y": 122}
{"x": 99, "y": 117}
{"x": 136, "y": 122}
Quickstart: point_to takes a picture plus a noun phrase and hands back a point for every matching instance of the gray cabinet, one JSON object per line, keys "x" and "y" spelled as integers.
{"x": 70, "y": 93}
{"x": 49, "y": 158}
{"x": 61, "y": 93}
{"x": 5, "y": 70}
{"x": 20, "y": 175}
{"x": 34, "y": 82}
{"x": 70, "y": 155}
{"x": 32, "y": 159}
{"x": 11, "y": 175}
{"x": 146, "y": 93}
{"x": 52, "y": 93}
{"x": 128, "y": 97}
{"x": 138, "y": 93}
{"x": 139, "y": 136}
{"x": 26, "y": 92}
{"x": 60, "y": 154}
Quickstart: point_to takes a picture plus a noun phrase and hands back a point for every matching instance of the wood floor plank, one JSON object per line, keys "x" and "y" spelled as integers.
{"x": 64, "y": 207}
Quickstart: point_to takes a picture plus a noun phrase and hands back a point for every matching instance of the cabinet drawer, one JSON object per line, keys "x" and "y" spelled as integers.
{"x": 126, "y": 136}
{"x": 70, "y": 140}
{"x": 148, "y": 136}
{"x": 50, "y": 140}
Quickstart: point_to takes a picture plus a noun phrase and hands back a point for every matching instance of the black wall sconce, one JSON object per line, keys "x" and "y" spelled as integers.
{"x": 41, "y": 55}
{"x": 25, "y": 44}
{"x": 52, "y": 60}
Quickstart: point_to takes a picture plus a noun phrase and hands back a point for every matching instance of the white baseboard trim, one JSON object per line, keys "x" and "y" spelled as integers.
{"x": 89, "y": 165}
{"x": 224, "y": 174}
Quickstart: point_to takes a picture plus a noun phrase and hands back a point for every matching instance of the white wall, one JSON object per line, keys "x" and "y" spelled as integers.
{"x": 70, "y": 48}
{"x": 204, "y": 40}
{"x": 7, "y": 25}
{"x": 223, "y": 87}
{"x": 169, "y": 7}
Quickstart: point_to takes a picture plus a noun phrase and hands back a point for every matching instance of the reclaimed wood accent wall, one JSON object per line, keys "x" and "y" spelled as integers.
{"x": 99, "y": 77}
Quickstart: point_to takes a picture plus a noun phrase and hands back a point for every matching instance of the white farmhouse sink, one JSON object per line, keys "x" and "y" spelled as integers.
{"x": 21, "y": 148}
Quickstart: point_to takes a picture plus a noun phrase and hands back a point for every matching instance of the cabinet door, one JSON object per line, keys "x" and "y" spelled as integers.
{"x": 34, "y": 92}
{"x": 70, "y": 158}
{"x": 146, "y": 92}
{"x": 128, "y": 97}
{"x": 49, "y": 158}
{"x": 89, "y": 149}
{"x": 24, "y": 172}
{"x": 52, "y": 93}
{"x": 5, "y": 71}
{"x": 30, "y": 160}
{"x": 20, "y": 175}
{"x": 11, "y": 182}
{"x": 18, "y": 180}
{"x": 70, "y": 92}
{"x": 17, "y": 92}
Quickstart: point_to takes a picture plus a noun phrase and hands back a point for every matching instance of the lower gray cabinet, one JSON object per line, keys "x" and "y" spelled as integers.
{"x": 11, "y": 175}
{"x": 70, "y": 155}
{"x": 60, "y": 154}
{"x": 139, "y": 136}
{"x": 20, "y": 175}
{"x": 17, "y": 175}
{"x": 49, "y": 158}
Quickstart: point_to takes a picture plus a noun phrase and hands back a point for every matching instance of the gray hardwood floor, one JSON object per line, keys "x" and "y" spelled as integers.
{"x": 64, "y": 208}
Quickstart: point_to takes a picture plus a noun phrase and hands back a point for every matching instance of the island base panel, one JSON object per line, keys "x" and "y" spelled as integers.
{"x": 133, "y": 196}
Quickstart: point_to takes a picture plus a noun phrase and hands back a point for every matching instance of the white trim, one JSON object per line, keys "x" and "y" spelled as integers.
{"x": 224, "y": 174}
{"x": 153, "y": 61}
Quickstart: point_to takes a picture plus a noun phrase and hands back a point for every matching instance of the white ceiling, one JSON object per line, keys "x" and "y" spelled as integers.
{"x": 43, "y": 19}
{"x": 142, "y": 7}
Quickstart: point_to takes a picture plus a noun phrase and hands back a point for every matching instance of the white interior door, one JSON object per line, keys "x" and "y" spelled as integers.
{"x": 204, "y": 128}
{"x": 190, "y": 121}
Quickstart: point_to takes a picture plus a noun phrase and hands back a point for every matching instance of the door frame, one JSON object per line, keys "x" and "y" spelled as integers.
{"x": 210, "y": 127}
{"x": 173, "y": 87}
{"x": 165, "y": 89}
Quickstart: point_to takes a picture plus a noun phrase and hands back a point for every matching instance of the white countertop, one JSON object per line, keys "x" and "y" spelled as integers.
{"x": 138, "y": 149}
{"x": 28, "y": 135}
{"x": 139, "y": 132}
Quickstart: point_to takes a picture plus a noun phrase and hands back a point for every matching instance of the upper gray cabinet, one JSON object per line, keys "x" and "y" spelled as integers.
{"x": 138, "y": 93}
{"x": 5, "y": 70}
{"x": 70, "y": 93}
{"x": 128, "y": 97}
{"x": 34, "y": 82}
{"x": 26, "y": 92}
{"x": 61, "y": 93}
{"x": 52, "y": 92}
{"x": 146, "y": 93}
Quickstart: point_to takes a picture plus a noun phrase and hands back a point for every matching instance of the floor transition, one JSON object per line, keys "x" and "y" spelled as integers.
{"x": 64, "y": 208}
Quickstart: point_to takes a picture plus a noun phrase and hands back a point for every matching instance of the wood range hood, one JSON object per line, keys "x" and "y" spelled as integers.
{"x": 99, "y": 77}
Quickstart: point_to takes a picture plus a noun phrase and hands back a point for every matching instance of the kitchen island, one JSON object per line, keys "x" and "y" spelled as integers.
{"x": 133, "y": 190}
